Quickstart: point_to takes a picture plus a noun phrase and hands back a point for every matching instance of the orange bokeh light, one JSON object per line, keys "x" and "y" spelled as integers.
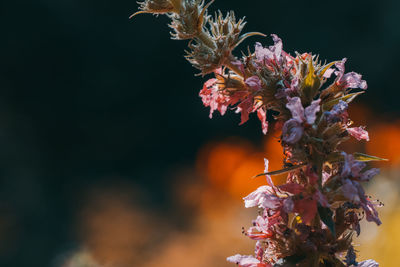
{"x": 230, "y": 165}
{"x": 385, "y": 143}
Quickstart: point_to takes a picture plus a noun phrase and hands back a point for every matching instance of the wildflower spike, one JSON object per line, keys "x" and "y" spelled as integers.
{"x": 311, "y": 219}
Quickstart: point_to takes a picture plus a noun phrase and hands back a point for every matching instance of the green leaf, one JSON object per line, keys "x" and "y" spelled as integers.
{"x": 325, "y": 68}
{"x": 281, "y": 171}
{"x": 364, "y": 157}
{"x": 347, "y": 98}
{"x": 311, "y": 82}
{"x": 326, "y": 216}
{"x": 334, "y": 157}
{"x": 337, "y": 157}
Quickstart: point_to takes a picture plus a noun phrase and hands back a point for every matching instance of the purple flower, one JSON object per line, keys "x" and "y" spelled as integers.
{"x": 339, "y": 108}
{"x": 292, "y": 131}
{"x": 351, "y": 167}
{"x": 368, "y": 263}
{"x": 370, "y": 211}
{"x": 298, "y": 113}
{"x": 296, "y": 108}
{"x": 348, "y": 80}
{"x": 367, "y": 175}
{"x": 351, "y": 256}
{"x": 350, "y": 191}
{"x": 311, "y": 111}
{"x": 338, "y": 112}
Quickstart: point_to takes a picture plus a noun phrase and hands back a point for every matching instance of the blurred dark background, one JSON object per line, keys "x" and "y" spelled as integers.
{"x": 90, "y": 99}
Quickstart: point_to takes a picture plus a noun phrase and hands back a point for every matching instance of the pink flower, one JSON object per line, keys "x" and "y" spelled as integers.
{"x": 290, "y": 89}
{"x": 212, "y": 97}
{"x": 268, "y": 177}
{"x": 277, "y": 47}
{"x": 262, "y": 116}
{"x": 260, "y": 230}
{"x": 263, "y": 197}
{"x": 328, "y": 73}
{"x": 348, "y": 80}
{"x": 274, "y": 52}
{"x": 247, "y": 261}
{"x": 359, "y": 133}
{"x": 245, "y": 108}
{"x": 253, "y": 83}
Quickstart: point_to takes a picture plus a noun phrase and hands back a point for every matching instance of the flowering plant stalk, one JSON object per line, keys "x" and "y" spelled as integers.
{"x": 311, "y": 219}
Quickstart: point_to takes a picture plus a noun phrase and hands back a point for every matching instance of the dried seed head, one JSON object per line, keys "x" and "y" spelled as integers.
{"x": 155, "y": 7}
{"x": 188, "y": 23}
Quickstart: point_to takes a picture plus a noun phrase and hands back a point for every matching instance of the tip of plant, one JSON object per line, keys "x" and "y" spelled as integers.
{"x": 258, "y": 175}
{"x": 249, "y": 34}
{"x": 137, "y": 13}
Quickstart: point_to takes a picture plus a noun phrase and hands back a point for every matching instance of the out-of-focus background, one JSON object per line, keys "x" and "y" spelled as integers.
{"x": 108, "y": 157}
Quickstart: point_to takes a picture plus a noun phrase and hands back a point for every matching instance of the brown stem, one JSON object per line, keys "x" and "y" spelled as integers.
{"x": 233, "y": 67}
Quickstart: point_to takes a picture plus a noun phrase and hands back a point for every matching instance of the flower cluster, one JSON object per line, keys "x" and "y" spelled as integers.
{"x": 311, "y": 219}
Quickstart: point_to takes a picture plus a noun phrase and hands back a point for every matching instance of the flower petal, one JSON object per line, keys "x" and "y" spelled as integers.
{"x": 262, "y": 197}
{"x": 262, "y": 116}
{"x": 311, "y": 111}
{"x": 350, "y": 191}
{"x": 368, "y": 263}
{"x": 246, "y": 261}
{"x": 359, "y": 133}
{"x": 296, "y": 108}
{"x": 292, "y": 131}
